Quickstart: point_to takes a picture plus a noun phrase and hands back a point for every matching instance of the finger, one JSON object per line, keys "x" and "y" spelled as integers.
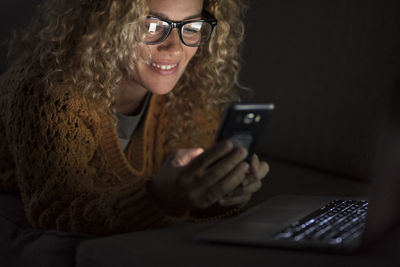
{"x": 229, "y": 183}
{"x": 258, "y": 175}
{"x": 249, "y": 189}
{"x": 249, "y": 179}
{"x": 255, "y": 163}
{"x": 209, "y": 157}
{"x": 263, "y": 170}
{"x": 230, "y": 201}
{"x": 228, "y": 166}
{"x": 184, "y": 156}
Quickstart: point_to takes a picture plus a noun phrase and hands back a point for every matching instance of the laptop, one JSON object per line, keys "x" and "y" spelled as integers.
{"x": 324, "y": 222}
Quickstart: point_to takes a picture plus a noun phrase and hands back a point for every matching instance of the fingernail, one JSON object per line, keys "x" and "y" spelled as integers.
{"x": 243, "y": 151}
{"x": 254, "y": 159}
{"x": 245, "y": 182}
{"x": 246, "y": 166}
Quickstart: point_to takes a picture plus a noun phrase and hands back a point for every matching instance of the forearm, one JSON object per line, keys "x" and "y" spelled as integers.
{"x": 65, "y": 177}
{"x": 119, "y": 209}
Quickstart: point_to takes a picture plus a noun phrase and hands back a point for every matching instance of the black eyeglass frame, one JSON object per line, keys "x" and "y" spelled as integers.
{"x": 179, "y": 25}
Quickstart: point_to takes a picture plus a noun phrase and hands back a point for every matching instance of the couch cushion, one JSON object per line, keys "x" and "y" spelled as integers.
{"x": 11, "y": 207}
{"x": 21, "y": 245}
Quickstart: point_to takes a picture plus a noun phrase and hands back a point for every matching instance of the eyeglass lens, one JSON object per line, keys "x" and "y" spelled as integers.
{"x": 194, "y": 33}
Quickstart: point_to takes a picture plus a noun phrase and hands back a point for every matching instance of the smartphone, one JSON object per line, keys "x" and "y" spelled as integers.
{"x": 243, "y": 124}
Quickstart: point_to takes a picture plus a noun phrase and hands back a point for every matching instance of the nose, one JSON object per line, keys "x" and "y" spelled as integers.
{"x": 173, "y": 44}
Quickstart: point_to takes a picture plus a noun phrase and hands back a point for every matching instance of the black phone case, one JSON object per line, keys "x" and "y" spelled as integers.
{"x": 244, "y": 124}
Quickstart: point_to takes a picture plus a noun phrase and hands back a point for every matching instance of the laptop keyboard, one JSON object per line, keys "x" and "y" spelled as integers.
{"x": 336, "y": 222}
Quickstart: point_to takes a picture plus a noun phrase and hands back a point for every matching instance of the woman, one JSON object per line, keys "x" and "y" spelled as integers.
{"x": 109, "y": 113}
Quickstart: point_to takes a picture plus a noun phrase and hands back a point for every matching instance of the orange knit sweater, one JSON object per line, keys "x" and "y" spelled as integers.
{"x": 65, "y": 158}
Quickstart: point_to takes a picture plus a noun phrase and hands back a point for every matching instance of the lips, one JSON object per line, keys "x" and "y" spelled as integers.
{"x": 164, "y": 68}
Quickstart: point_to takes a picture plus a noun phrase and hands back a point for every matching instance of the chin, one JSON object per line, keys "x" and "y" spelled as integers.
{"x": 162, "y": 86}
{"x": 160, "y": 91}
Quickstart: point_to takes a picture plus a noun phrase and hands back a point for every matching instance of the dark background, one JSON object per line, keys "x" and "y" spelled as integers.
{"x": 328, "y": 66}
{"x": 325, "y": 64}
{"x": 13, "y": 15}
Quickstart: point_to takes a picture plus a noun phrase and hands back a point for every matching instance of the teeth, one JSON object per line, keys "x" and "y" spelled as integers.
{"x": 164, "y": 67}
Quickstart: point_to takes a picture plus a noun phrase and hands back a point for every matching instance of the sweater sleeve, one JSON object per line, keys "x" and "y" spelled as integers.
{"x": 65, "y": 182}
{"x": 8, "y": 182}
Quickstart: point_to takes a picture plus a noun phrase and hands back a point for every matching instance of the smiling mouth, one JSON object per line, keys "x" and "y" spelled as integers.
{"x": 164, "y": 67}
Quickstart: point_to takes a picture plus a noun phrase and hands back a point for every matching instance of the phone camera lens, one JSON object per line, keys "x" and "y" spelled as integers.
{"x": 249, "y": 118}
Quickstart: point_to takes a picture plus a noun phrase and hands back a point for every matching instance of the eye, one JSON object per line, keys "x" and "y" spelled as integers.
{"x": 155, "y": 26}
{"x": 192, "y": 28}
{"x": 153, "y": 30}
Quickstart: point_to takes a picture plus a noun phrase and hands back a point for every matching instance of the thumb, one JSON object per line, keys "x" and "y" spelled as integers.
{"x": 182, "y": 157}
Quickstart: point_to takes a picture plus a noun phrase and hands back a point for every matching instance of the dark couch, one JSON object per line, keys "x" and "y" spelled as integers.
{"x": 330, "y": 67}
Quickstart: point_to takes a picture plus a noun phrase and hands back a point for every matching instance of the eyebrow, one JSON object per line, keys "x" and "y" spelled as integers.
{"x": 161, "y": 15}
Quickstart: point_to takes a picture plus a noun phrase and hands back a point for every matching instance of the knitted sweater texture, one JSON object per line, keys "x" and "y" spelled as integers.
{"x": 63, "y": 155}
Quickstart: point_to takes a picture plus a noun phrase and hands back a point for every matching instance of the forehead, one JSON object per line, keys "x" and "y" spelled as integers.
{"x": 176, "y": 9}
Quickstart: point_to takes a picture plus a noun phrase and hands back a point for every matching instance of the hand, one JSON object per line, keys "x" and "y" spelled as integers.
{"x": 251, "y": 184}
{"x": 195, "y": 179}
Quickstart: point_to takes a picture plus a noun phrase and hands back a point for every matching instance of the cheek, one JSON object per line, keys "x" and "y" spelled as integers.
{"x": 144, "y": 53}
{"x": 190, "y": 52}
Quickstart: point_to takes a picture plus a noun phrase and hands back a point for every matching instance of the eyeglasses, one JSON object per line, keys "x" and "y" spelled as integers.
{"x": 192, "y": 33}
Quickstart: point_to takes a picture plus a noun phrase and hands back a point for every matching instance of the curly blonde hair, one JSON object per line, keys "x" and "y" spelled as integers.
{"x": 94, "y": 53}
